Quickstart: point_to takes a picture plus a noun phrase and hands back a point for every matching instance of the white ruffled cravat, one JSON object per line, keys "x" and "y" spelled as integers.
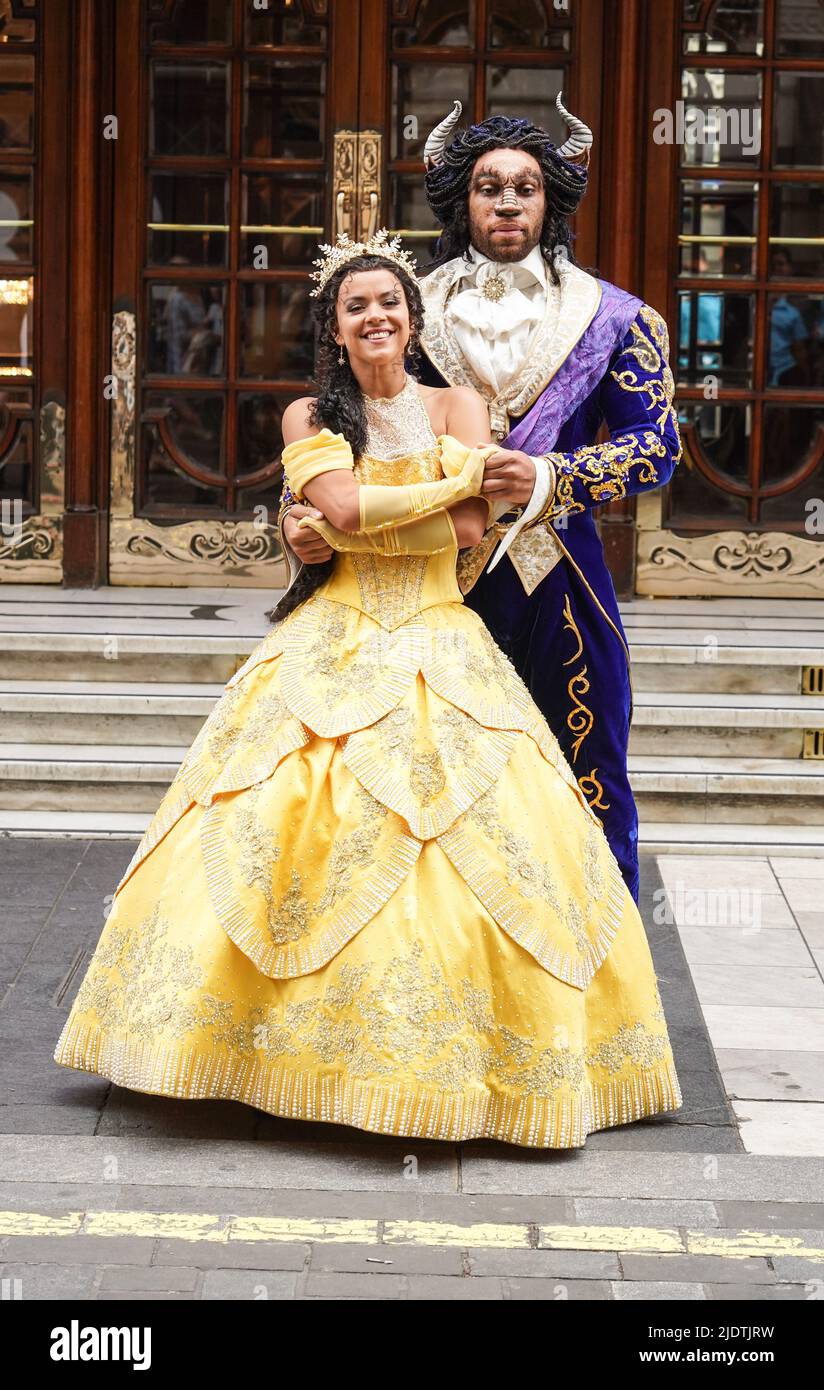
{"x": 494, "y": 334}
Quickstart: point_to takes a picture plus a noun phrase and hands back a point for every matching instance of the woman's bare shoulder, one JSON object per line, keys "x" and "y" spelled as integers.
{"x": 295, "y": 422}
{"x": 445, "y": 403}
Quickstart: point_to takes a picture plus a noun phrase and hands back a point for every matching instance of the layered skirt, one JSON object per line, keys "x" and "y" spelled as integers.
{"x": 374, "y": 895}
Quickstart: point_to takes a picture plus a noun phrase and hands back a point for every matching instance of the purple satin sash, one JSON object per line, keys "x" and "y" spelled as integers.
{"x": 586, "y": 364}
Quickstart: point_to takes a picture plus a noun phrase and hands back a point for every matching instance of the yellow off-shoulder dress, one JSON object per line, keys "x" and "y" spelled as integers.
{"x": 374, "y": 894}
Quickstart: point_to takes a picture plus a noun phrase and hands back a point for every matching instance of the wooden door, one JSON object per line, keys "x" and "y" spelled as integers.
{"x": 735, "y": 251}
{"x": 496, "y": 57}
{"x": 224, "y": 187}
{"x": 247, "y": 134}
{"x": 34, "y": 201}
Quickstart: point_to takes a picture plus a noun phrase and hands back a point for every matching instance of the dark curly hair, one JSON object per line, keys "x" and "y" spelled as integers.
{"x": 447, "y": 186}
{"x": 338, "y": 403}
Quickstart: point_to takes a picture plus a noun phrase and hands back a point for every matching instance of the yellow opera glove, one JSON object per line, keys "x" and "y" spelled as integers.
{"x": 305, "y": 459}
{"x": 425, "y": 536}
{"x": 383, "y": 505}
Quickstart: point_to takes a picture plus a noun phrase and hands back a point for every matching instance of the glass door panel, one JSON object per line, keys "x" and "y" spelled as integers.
{"x": 33, "y": 200}
{"x": 232, "y": 137}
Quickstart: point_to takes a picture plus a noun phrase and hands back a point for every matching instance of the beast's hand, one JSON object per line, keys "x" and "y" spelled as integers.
{"x": 509, "y": 476}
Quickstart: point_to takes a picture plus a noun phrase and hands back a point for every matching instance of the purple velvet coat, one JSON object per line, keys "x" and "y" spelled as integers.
{"x": 566, "y": 638}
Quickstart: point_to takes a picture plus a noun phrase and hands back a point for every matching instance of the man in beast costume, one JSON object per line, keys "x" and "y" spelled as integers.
{"x": 555, "y": 351}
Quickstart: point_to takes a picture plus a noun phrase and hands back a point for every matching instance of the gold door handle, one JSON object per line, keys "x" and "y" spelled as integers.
{"x": 373, "y": 216}
{"x": 343, "y": 180}
{"x": 342, "y": 219}
{"x": 369, "y": 182}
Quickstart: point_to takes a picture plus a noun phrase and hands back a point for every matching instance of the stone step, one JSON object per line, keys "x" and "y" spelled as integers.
{"x": 85, "y": 777}
{"x": 742, "y": 661}
{"x": 123, "y": 657}
{"x": 725, "y": 668}
{"x": 93, "y": 712}
{"x": 696, "y": 837}
{"x": 171, "y": 713}
{"x": 92, "y": 777}
{"x": 717, "y": 725}
{"x": 760, "y": 791}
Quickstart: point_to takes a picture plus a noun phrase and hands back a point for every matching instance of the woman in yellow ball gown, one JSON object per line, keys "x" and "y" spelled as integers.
{"x": 373, "y": 893}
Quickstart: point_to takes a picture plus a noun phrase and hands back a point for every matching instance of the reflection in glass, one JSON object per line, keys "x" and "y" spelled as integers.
{"x": 714, "y": 337}
{"x": 274, "y": 342}
{"x": 272, "y": 203}
{"x": 732, "y": 26}
{"x": 798, "y": 140}
{"x": 422, "y": 94}
{"x": 16, "y": 216}
{"x": 193, "y": 22}
{"x": 409, "y": 211}
{"x": 720, "y": 217}
{"x": 436, "y": 22}
{"x": 283, "y": 22}
{"x": 529, "y": 93}
{"x": 800, "y": 29}
{"x": 724, "y": 435}
{"x": 193, "y": 423}
{"x": 16, "y": 102}
{"x": 258, "y": 444}
{"x": 526, "y": 24}
{"x": 188, "y": 219}
{"x": 17, "y": 464}
{"x": 284, "y": 106}
{"x": 796, "y": 213}
{"x": 796, "y": 337}
{"x": 185, "y": 336}
{"x": 16, "y": 327}
{"x": 189, "y": 107}
{"x": 792, "y": 433}
{"x": 722, "y": 116}
{"x": 14, "y": 29}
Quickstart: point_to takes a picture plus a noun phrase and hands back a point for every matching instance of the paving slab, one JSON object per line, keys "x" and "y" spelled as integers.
{"x": 241, "y": 1285}
{"x": 629, "y": 1290}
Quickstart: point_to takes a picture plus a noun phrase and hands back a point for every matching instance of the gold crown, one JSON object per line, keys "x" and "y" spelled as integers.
{"x": 379, "y": 245}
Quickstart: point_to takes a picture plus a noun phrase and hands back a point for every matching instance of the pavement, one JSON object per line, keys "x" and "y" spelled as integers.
{"x": 109, "y": 1194}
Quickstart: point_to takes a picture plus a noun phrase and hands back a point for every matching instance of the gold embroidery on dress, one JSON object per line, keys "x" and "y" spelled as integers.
{"x": 524, "y": 872}
{"x": 352, "y": 851}
{"x": 390, "y": 585}
{"x": 153, "y": 976}
{"x": 287, "y": 917}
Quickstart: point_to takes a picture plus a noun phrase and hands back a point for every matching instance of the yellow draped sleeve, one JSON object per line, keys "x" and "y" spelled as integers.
{"x": 305, "y": 459}
{"x": 454, "y": 454}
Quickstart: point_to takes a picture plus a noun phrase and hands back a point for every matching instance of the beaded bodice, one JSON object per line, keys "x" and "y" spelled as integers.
{"x": 401, "y": 448}
{"x": 396, "y": 425}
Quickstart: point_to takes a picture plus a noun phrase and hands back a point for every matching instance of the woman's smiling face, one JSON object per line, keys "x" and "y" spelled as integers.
{"x": 373, "y": 317}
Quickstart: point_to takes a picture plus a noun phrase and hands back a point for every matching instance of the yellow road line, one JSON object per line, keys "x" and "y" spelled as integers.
{"x": 204, "y": 1226}
{"x": 639, "y": 1239}
{"x": 507, "y": 1236}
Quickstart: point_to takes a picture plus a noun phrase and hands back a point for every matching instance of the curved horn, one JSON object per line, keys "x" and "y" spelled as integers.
{"x": 438, "y": 140}
{"x": 580, "y": 135}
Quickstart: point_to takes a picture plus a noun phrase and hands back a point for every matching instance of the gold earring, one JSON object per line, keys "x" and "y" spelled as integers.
{"x": 341, "y": 358}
